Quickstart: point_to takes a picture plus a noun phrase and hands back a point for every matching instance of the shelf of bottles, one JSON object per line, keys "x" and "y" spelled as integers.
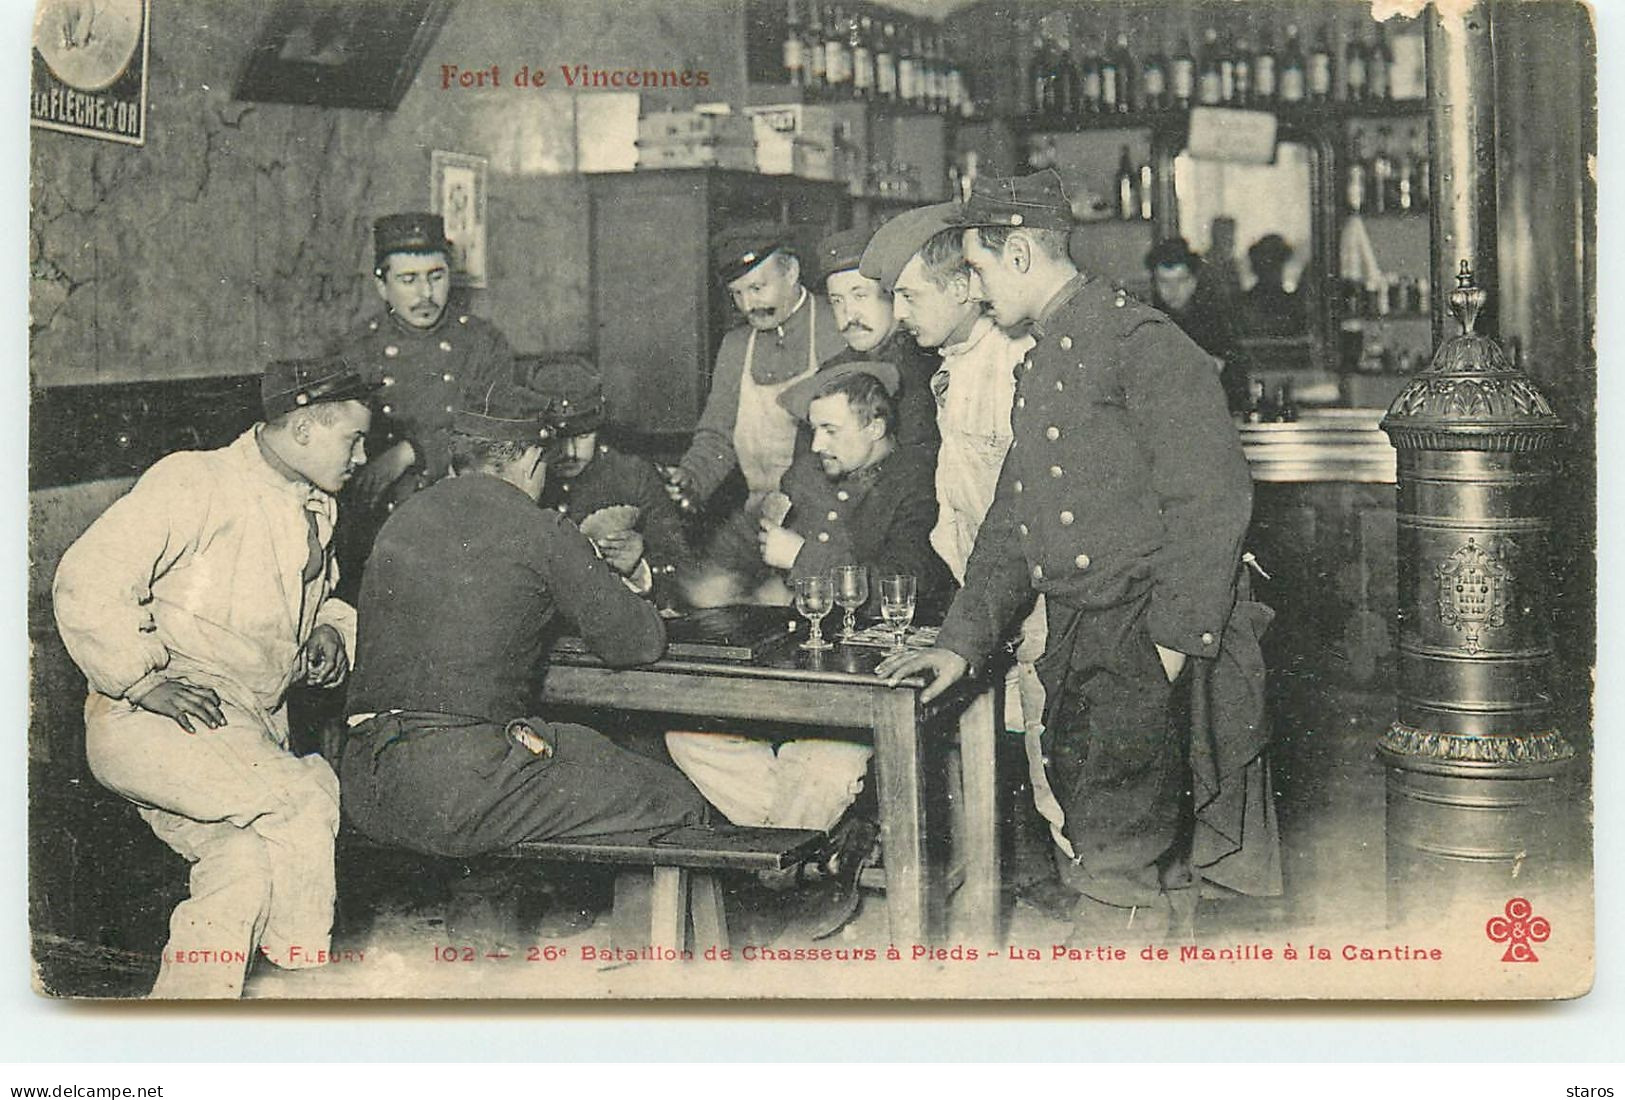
{"x": 1078, "y": 75}
{"x": 846, "y": 52}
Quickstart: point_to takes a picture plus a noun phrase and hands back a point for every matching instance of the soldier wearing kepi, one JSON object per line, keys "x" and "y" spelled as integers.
{"x": 1123, "y": 500}
{"x": 192, "y": 604}
{"x": 447, "y": 753}
{"x": 425, "y": 359}
{"x": 587, "y": 475}
{"x": 863, "y": 309}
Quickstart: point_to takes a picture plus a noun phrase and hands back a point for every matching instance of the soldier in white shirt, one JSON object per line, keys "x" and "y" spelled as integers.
{"x": 191, "y": 605}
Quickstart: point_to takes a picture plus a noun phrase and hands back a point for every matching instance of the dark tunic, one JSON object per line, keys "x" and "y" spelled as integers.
{"x": 457, "y": 609}
{"x": 1124, "y": 500}
{"x": 615, "y": 478}
{"x": 880, "y": 517}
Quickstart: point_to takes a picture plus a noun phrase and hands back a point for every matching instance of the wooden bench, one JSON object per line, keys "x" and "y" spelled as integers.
{"x": 682, "y": 883}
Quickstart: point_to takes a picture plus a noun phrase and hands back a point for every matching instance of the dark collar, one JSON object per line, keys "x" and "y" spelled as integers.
{"x": 1069, "y": 290}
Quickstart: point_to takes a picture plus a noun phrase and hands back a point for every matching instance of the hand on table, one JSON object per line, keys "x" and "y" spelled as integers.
{"x": 183, "y": 702}
{"x": 946, "y": 668}
{"x": 780, "y": 545}
{"x": 322, "y": 661}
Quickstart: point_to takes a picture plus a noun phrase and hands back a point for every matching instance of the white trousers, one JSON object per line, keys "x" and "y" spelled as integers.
{"x": 256, "y": 823}
{"x": 806, "y": 784}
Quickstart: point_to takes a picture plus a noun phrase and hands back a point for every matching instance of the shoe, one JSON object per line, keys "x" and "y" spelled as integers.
{"x": 829, "y": 905}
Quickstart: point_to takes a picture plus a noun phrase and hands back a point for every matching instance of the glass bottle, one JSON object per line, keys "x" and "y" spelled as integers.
{"x": 1182, "y": 74}
{"x": 859, "y": 40}
{"x": 1320, "y": 68}
{"x": 1293, "y": 75}
{"x": 908, "y": 66}
{"x": 1244, "y": 74}
{"x": 886, "y": 63}
{"x": 1128, "y": 203}
{"x": 1148, "y": 189}
{"x": 1122, "y": 64}
{"x": 1382, "y": 175}
{"x": 1354, "y": 184}
{"x": 1265, "y": 70}
{"x": 1380, "y": 67}
{"x": 1209, "y": 89}
{"x": 1355, "y": 85}
{"x": 794, "y": 70}
{"x": 916, "y": 53}
{"x": 1066, "y": 92}
{"x": 837, "y": 55}
{"x": 1091, "y": 83}
{"x": 1154, "y": 80}
{"x": 1227, "y": 73}
{"x": 813, "y": 50}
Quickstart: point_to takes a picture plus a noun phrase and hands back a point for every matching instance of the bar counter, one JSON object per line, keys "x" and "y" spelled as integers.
{"x": 1324, "y": 444}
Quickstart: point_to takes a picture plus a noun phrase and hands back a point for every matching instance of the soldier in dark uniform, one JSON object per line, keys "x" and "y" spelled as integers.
{"x": 588, "y": 474}
{"x": 1124, "y": 500}
{"x": 425, "y": 358}
{"x": 863, "y": 310}
{"x": 447, "y": 753}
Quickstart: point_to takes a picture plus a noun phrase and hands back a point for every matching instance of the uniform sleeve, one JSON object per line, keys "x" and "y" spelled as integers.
{"x": 102, "y": 594}
{"x": 997, "y": 586}
{"x": 711, "y": 456}
{"x": 1199, "y": 476}
{"x": 620, "y": 627}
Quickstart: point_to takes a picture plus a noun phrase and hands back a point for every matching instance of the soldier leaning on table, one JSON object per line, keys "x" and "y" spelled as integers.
{"x": 1124, "y": 500}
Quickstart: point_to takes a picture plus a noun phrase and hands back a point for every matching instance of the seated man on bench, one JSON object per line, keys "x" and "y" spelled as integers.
{"x": 446, "y": 753}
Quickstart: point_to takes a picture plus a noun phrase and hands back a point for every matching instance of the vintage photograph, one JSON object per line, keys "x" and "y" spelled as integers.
{"x": 1051, "y": 500}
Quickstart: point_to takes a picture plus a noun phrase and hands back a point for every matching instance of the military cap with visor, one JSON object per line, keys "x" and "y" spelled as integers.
{"x": 572, "y": 388}
{"x": 1037, "y": 201}
{"x": 895, "y": 243}
{"x": 738, "y": 249}
{"x": 290, "y": 384}
{"x": 506, "y": 413}
{"x": 414, "y": 231}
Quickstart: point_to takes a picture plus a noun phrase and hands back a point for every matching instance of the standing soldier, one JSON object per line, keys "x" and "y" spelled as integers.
{"x": 424, "y": 358}
{"x": 1123, "y": 500}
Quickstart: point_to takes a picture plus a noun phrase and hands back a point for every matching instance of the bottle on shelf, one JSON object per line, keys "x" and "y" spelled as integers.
{"x": 812, "y": 51}
{"x": 908, "y": 64}
{"x": 916, "y": 52}
{"x": 1294, "y": 74}
{"x": 1065, "y": 90}
{"x": 1116, "y": 78}
{"x": 1383, "y": 184}
{"x": 1209, "y": 85}
{"x": 1354, "y": 175}
{"x": 1091, "y": 82}
{"x": 1182, "y": 75}
{"x": 1424, "y": 168}
{"x": 1380, "y": 67}
{"x": 837, "y": 55}
{"x": 1286, "y": 407}
{"x": 1405, "y": 180}
{"x": 795, "y": 71}
{"x": 1320, "y": 68}
{"x": 1266, "y": 74}
{"x": 1260, "y": 409}
{"x": 1243, "y": 96}
{"x": 860, "y": 44}
{"x": 1355, "y": 71}
{"x": 886, "y": 63}
{"x": 1128, "y": 182}
{"x": 1148, "y": 189}
{"x": 1227, "y": 73}
{"x": 1154, "y": 80}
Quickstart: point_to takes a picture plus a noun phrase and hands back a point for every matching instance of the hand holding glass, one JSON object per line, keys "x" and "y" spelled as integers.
{"x": 851, "y": 592}
{"x": 897, "y": 604}
{"x": 814, "y": 598}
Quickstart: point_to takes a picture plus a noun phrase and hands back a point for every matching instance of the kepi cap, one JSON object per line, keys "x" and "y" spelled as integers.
{"x": 506, "y": 413}
{"x": 572, "y": 389}
{"x": 414, "y": 231}
{"x": 841, "y": 251}
{"x": 738, "y": 249}
{"x": 797, "y": 397}
{"x": 290, "y": 384}
{"x": 895, "y": 243}
{"x": 1037, "y": 201}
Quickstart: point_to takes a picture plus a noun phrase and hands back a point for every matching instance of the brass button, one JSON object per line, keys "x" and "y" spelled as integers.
{"x": 1018, "y": 485}
{"x": 1021, "y": 402}
{"x": 387, "y": 410}
{"x": 1066, "y": 343}
{"x": 842, "y": 495}
{"x": 462, "y": 318}
{"x": 445, "y": 345}
{"x": 1081, "y": 561}
{"x": 1015, "y": 219}
{"x": 389, "y": 379}
{"x": 823, "y": 536}
{"x": 1026, "y": 364}
{"x": 833, "y": 516}
{"x": 1207, "y": 637}
{"x": 391, "y": 351}
{"x": 447, "y": 377}
{"x": 1059, "y": 385}
{"x": 372, "y": 326}
{"x": 1022, "y": 527}
{"x": 448, "y": 408}
{"x": 1038, "y": 572}
{"x": 1055, "y": 471}
{"x": 1052, "y": 433}
{"x": 1067, "y": 518}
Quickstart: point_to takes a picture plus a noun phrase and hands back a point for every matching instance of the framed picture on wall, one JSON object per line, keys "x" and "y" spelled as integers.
{"x": 457, "y": 194}
{"x": 322, "y": 54}
{"x": 90, "y": 68}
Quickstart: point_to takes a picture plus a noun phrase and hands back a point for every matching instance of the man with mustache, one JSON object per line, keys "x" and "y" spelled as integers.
{"x": 863, "y": 309}
{"x": 425, "y": 358}
{"x": 191, "y": 605}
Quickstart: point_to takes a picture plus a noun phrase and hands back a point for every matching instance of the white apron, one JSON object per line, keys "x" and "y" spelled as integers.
{"x": 764, "y": 433}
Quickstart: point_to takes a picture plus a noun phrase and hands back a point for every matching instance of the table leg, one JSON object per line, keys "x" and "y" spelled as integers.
{"x": 668, "y": 908}
{"x": 978, "y": 734}
{"x": 902, "y": 814}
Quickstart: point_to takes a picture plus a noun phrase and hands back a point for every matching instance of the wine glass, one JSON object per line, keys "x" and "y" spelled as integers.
{"x": 851, "y": 592}
{"x": 897, "y": 604}
{"x": 814, "y": 598}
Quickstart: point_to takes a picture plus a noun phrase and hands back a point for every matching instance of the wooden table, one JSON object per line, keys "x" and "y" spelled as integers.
{"x": 836, "y": 688}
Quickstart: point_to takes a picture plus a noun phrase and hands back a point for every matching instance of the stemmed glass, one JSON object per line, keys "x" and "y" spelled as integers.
{"x": 851, "y": 592}
{"x": 897, "y": 604}
{"x": 814, "y": 598}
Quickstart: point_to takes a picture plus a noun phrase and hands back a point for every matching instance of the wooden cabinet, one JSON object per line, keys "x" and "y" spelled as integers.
{"x": 658, "y": 313}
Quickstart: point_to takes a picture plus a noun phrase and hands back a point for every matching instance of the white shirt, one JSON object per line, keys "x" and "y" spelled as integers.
{"x": 975, "y": 388}
{"x": 196, "y": 574}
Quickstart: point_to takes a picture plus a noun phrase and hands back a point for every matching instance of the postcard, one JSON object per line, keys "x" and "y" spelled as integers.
{"x": 1101, "y": 500}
